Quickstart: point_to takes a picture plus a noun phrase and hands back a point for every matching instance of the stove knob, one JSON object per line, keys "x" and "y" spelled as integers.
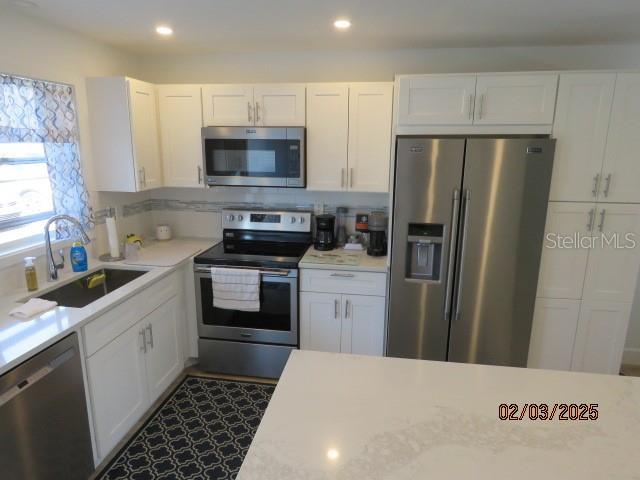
{"x": 240, "y": 217}
{"x": 292, "y": 219}
{"x": 230, "y": 218}
{"x": 301, "y": 219}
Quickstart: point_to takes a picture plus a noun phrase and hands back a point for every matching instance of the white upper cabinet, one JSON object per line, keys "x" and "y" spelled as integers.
{"x": 562, "y": 268}
{"x": 349, "y": 136}
{"x": 612, "y": 270}
{"x": 600, "y": 337}
{"x": 580, "y": 127}
{"x": 369, "y": 152}
{"x": 228, "y": 105}
{"x": 553, "y": 333}
{"x": 254, "y": 105}
{"x": 436, "y": 100}
{"x": 327, "y": 136}
{"x": 515, "y": 99}
{"x": 621, "y": 169}
{"x": 279, "y": 105}
{"x": 180, "y": 108}
{"x": 124, "y": 134}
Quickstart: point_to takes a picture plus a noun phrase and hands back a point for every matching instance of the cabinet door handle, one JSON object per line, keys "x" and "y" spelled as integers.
{"x": 343, "y": 275}
{"x": 607, "y": 185}
{"x": 150, "y": 330}
{"x": 596, "y": 185}
{"x": 257, "y": 112}
{"x": 346, "y": 309}
{"x": 140, "y": 177}
{"x": 601, "y": 225}
{"x": 471, "y": 95}
{"x": 351, "y": 177}
{"x": 199, "y": 174}
{"x": 481, "y": 109}
{"x": 342, "y": 178}
{"x": 336, "y": 309}
{"x": 143, "y": 347}
{"x": 592, "y": 218}
{"x": 249, "y": 116}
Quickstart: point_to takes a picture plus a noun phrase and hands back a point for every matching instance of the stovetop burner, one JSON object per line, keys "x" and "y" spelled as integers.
{"x": 268, "y": 239}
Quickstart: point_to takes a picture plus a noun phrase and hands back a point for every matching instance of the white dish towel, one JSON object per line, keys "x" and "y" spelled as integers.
{"x": 32, "y": 307}
{"x": 236, "y": 289}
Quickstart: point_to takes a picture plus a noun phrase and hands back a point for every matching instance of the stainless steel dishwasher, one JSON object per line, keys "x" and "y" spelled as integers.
{"x": 44, "y": 427}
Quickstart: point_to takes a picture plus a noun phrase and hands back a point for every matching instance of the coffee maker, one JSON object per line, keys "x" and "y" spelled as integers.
{"x": 325, "y": 236}
{"x": 377, "y": 235}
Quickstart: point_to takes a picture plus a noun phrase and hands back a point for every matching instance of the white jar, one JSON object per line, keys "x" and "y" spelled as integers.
{"x": 163, "y": 232}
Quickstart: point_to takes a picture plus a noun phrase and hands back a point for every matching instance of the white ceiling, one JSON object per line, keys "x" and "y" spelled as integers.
{"x": 281, "y": 25}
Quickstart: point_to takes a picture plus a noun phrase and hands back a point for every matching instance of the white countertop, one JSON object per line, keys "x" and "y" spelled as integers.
{"x": 337, "y": 416}
{"x": 21, "y": 339}
{"x": 366, "y": 263}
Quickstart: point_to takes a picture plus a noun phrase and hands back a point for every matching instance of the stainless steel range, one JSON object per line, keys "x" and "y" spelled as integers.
{"x": 253, "y": 343}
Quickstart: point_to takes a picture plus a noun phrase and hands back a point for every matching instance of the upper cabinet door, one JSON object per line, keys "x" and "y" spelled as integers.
{"x": 621, "y": 169}
{"x": 580, "y": 127}
{"x": 280, "y": 105}
{"x": 370, "y": 112}
{"x": 228, "y": 105}
{"x": 180, "y": 109}
{"x": 515, "y": 99}
{"x": 612, "y": 270}
{"x": 562, "y": 269}
{"x": 436, "y": 100}
{"x": 144, "y": 127}
{"x": 327, "y": 134}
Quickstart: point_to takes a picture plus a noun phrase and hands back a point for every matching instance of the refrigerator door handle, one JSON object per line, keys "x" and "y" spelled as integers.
{"x": 466, "y": 202}
{"x": 452, "y": 255}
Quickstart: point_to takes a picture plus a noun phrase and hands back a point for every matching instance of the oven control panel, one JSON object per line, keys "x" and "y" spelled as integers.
{"x": 275, "y": 220}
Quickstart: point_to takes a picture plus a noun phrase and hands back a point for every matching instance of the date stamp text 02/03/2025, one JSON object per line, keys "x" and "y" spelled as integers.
{"x": 548, "y": 411}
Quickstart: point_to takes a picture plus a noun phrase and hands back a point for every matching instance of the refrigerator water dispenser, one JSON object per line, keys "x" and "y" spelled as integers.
{"x": 424, "y": 244}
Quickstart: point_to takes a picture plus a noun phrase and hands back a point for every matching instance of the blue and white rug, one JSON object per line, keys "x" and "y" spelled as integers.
{"x": 202, "y": 431}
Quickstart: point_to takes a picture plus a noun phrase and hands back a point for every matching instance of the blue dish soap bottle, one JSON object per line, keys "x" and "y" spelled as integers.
{"x": 78, "y": 256}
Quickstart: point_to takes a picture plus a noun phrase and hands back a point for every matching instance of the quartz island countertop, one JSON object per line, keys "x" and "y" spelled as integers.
{"x": 337, "y": 416}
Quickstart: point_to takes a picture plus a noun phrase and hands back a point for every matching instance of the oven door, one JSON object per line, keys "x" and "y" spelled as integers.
{"x": 267, "y": 157}
{"x": 275, "y": 323}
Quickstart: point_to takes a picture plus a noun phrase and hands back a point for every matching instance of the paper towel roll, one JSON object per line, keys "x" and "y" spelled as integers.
{"x": 112, "y": 235}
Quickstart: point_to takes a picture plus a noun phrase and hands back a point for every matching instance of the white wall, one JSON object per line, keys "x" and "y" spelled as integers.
{"x": 319, "y": 66}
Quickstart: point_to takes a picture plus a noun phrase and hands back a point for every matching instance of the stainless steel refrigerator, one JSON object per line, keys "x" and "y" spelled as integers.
{"x": 468, "y": 226}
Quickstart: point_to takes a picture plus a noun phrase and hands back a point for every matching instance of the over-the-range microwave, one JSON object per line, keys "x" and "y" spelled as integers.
{"x": 254, "y": 156}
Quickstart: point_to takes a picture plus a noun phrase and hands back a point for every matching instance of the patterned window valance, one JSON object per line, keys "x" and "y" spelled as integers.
{"x": 45, "y": 112}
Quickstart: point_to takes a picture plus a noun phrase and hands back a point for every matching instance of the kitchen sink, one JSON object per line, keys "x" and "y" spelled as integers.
{"x": 91, "y": 287}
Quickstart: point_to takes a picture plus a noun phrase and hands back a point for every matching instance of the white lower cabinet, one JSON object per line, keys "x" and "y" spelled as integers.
{"x": 602, "y": 330}
{"x": 553, "y": 333}
{"x": 128, "y": 374}
{"x": 118, "y": 387}
{"x": 335, "y": 317}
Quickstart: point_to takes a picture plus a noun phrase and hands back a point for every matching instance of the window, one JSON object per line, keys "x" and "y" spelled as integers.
{"x": 26, "y": 200}
{"x": 40, "y": 172}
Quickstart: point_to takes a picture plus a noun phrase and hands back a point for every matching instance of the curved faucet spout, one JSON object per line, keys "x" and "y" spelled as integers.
{"x": 52, "y": 266}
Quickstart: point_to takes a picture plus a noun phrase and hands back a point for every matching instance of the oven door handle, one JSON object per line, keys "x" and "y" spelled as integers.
{"x": 269, "y": 272}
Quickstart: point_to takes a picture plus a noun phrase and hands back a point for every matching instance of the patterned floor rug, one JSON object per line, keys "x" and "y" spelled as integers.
{"x": 202, "y": 431}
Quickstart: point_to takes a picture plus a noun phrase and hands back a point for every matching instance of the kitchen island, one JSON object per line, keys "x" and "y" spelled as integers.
{"x": 356, "y": 417}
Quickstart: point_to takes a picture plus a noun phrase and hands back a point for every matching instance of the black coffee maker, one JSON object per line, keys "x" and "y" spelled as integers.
{"x": 325, "y": 236}
{"x": 377, "y": 234}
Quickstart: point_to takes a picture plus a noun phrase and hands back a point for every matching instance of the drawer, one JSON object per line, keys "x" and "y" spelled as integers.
{"x": 343, "y": 281}
{"x": 120, "y": 318}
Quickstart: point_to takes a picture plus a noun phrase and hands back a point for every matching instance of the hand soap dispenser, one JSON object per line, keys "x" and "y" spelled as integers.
{"x": 30, "y": 274}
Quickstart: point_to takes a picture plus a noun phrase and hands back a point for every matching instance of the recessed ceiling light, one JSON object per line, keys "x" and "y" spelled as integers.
{"x": 164, "y": 30}
{"x": 342, "y": 24}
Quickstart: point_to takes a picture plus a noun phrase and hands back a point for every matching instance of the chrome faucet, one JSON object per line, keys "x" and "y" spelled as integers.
{"x": 52, "y": 266}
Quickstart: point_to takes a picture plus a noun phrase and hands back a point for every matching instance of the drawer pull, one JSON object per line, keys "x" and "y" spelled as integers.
{"x": 343, "y": 275}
